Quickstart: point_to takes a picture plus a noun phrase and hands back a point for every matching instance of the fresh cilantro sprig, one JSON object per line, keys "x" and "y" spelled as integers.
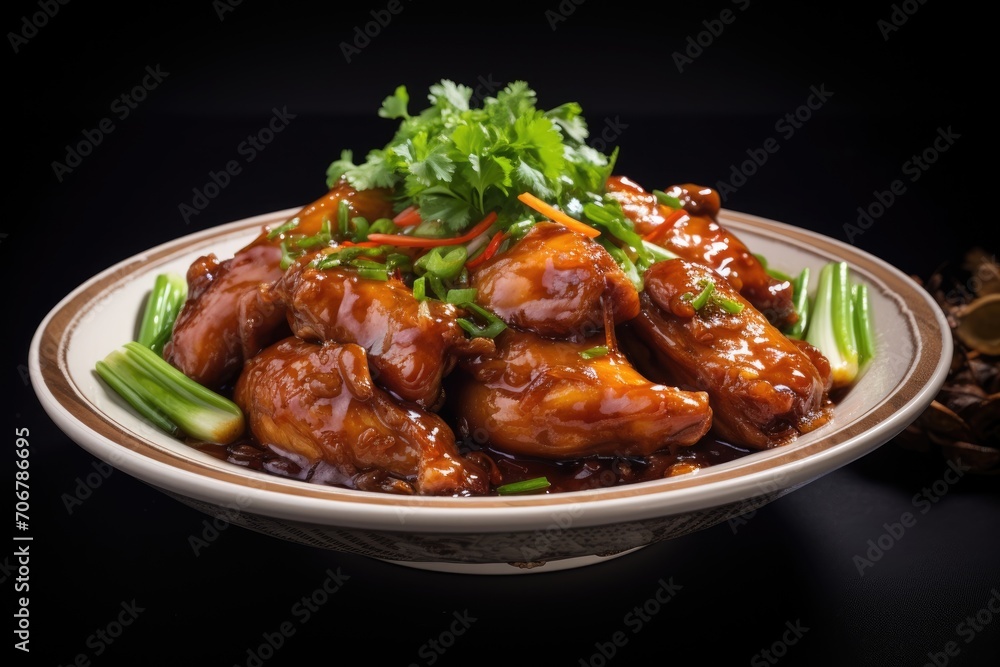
{"x": 455, "y": 161}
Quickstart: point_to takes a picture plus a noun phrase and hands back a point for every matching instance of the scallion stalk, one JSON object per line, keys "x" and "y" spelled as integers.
{"x": 863, "y": 322}
{"x": 168, "y": 398}
{"x": 831, "y": 327}
{"x": 164, "y": 304}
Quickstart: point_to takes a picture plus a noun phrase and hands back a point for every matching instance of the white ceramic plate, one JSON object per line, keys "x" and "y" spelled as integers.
{"x": 488, "y": 534}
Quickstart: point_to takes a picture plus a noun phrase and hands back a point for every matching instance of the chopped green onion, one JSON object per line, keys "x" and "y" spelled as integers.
{"x": 419, "y": 289}
{"x": 535, "y": 484}
{"x": 288, "y": 256}
{"x": 595, "y": 352}
{"x": 708, "y": 295}
{"x": 162, "y": 308}
{"x": 445, "y": 262}
{"x": 168, "y": 398}
{"x": 520, "y": 228}
{"x": 360, "y": 229}
{"x": 659, "y": 253}
{"x": 381, "y": 226}
{"x": 461, "y": 296}
{"x": 343, "y": 217}
{"x": 707, "y": 287}
{"x": 727, "y": 304}
{"x": 667, "y": 200}
{"x": 369, "y": 269}
{"x": 624, "y": 261}
{"x": 493, "y": 327}
{"x": 321, "y": 238}
{"x": 397, "y": 260}
{"x": 437, "y": 286}
{"x": 611, "y": 217}
{"x": 281, "y": 229}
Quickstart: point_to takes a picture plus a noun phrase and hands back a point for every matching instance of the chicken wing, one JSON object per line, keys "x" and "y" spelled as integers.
{"x": 411, "y": 344}
{"x": 207, "y": 343}
{"x": 764, "y": 388}
{"x": 318, "y": 401}
{"x": 546, "y": 398}
{"x": 695, "y": 234}
{"x": 555, "y": 282}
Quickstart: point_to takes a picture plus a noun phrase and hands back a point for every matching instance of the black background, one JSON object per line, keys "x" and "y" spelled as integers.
{"x": 890, "y": 92}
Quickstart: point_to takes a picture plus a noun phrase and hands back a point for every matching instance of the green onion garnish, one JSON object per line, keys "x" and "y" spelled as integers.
{"x": 524, "y": 486}
{"x": 343, "y": 217}
{"x": 707, "y": 287}
{"x": 281, "y": 229}
{"x": 667, "y": 200}
{"x": 419, "y": 290}
{"x": 461, "y": 296}
{"x": 493, "y": 327}
{"x": 595, "y": 352}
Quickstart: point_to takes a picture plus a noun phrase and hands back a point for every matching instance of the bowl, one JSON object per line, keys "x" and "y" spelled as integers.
{"x": 493, "y": 534}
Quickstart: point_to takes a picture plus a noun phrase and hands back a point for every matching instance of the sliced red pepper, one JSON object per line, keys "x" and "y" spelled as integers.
{"x": 490, "y": 250}
{"x": 404, "y": 240}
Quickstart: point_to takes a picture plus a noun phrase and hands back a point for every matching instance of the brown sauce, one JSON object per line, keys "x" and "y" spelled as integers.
{"x": 563, "y": 476}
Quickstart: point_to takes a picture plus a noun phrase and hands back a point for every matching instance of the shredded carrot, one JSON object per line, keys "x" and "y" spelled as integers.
{"x": 667, "y": 223}
{"x": 490, "y": 250}
{"x": 408, "y": 241}
{"x": 556, "y": 215}
{"x": 408, "y": 217}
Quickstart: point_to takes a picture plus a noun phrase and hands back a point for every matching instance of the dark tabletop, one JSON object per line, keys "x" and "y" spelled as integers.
{"x": 835, "y": 104}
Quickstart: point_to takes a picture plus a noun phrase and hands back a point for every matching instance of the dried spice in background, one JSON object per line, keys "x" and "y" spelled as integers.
{"x": 962, "y": 424}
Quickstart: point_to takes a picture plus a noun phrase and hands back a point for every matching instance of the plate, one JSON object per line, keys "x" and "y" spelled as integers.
{"x": 488, "y": 535}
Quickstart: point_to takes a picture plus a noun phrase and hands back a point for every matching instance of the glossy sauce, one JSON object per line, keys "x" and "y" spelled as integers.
{"x": 572, "y": 475}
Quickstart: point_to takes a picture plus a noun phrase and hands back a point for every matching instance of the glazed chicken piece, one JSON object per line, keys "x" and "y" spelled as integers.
{"x": 542, "y": 397}
{"x": 764, "y": 387}
{"x": 555, "y": 282}
{"x": 318, "y": 401}
{"x": 411, "y": 344}
{"x": 207, "y": 344}
{"x": 694, "y": 233}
